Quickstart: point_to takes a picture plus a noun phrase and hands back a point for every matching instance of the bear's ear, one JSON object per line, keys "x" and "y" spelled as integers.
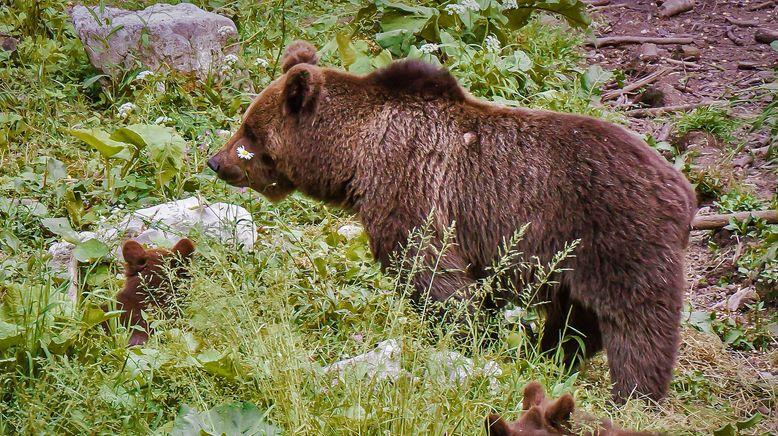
{"x": 183, "y": 248}
{"x": 298, "y": 52}
{"x": 533, "y": 395}
{"x": 133, "y": 253}
{"x": 558, "y": 414}
{"x": 496, "y": 426}
{"x": 302, "y": 89}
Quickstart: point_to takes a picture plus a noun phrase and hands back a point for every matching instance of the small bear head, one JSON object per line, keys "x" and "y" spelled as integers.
{"x": 151, "y": 278}
{"x": 541, "y": 417}
{"x": 248, "y": 159}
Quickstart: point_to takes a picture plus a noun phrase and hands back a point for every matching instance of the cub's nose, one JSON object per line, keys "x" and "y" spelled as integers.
{"x": 213, "y": 163}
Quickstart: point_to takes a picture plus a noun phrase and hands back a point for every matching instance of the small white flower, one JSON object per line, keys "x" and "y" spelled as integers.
{"x": 125, "y": 109}
{"x": 163, "y": 120}
{"x": 230, "y": 59}
{"x": 243, "y": 154}
{"x": 492, "y": 43}
{"x": 260, "y": 62}
{"x": 509, "y": 4}
{"x": 471, "y": 5}
{"x": 455, "y": 9}
{"x": 429, "y": 48}
{"x": 144, "y": 74}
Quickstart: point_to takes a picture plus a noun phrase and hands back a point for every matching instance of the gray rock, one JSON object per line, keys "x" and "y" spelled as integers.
{"x": 182, "y": 37}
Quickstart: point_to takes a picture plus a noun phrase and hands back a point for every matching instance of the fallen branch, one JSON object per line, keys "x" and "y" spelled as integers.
{"x": 741, "y": 23}
{"x": 685, "y": 64}
{"x": 675, "y": 7}
{"x": 597, "y": 2}
{"x": 637, "y": 85}
{"x": 766, "y": 36}
{"x": 73, "y": 273}
{"x": 654, "y": 111}
{"x": 617, "y": 40}
{"x": 712, "y": 222}
{"x": 762, "y": 5}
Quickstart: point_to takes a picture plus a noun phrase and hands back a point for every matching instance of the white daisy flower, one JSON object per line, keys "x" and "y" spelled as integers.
{"x": 509, "y": 4}
{"x": 243, "y": 154}
{"x": 163, "y": 120}
{"x": 225, "y": 30}
{"x": 230, "y": 59}
{"x": 260, "y": 62}
{"x": 125, "y": 109}
{"x": 144, "y": 74}
{"x": 492, "y": 43}
{"x": 429, "y": 48}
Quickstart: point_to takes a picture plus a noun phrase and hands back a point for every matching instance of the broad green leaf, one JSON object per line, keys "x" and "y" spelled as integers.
{"x": 346, "y": 50}
{"x": 56, "y": 170}
{"x": 727, "y": 430}
{"x": 595, "y": 77}
{"x": 217, "y": 363}
{"x": 774, "y": 45}
{"x": 99, "y": 140}
{"x": 90, "y": 250}
{"x": 702, "y": 321}
{"x": 383, "y": 59}
{"x": 398, "y": 16}
{"x": 10, "y": 334}
{"x": 226, "y": 419}
{"x": 750, "y": 422}
{"x": 164, "y": 145}
{"x": 398, "y": 42}
{"x": 60, "y": 227}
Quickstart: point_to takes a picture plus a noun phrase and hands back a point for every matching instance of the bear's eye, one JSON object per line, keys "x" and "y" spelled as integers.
{"x": 267, "y": 160}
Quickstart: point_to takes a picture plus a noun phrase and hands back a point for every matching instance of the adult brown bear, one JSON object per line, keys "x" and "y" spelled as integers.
{"x": 407, "y": 140}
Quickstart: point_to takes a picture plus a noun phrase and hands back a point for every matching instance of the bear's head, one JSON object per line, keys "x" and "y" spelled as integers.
{"x": 151, "y": 279}
{"x": 249, "y": 158}
{"x": 541, "y": 416}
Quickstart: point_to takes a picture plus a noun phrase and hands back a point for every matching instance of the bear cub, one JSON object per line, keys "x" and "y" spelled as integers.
{"x": 152, "y": 277}
{"x": 546, "y": 417}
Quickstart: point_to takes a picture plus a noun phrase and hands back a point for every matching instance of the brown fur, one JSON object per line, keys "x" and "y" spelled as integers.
{"x": 147, "y": 283}
{"x": 382, "y": 147}
{"x": 546, "y": 417}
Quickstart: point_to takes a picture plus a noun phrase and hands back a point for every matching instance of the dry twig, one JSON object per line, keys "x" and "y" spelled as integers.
{"x": 617, "y": 40}
{"x": 675, "y": 7}
{"x": 654, "y": 111}
{"x": 637, "y": 85}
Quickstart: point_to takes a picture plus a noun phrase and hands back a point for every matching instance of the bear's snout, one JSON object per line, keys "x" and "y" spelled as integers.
{"x": 213, "y": 163}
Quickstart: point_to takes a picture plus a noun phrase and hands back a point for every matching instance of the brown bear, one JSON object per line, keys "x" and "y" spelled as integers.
{"x": 545, "y": 417}
{"x": 406, "y": 142}
{"x": 149, "y": 283}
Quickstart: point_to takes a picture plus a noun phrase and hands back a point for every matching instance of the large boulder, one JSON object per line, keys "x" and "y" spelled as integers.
{"x": 182, "y": 37}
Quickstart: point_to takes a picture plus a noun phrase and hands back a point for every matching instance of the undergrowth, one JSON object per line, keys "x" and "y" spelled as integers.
{"x": 259, "y": 327}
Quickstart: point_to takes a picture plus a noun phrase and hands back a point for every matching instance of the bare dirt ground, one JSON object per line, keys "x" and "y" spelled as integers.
{"x": 723, "y": 62}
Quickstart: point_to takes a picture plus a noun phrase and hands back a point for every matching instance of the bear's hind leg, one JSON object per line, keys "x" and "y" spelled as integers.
{"x": 641, "y": 345}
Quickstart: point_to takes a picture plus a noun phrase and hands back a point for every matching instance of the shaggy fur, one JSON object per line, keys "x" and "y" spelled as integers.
{"x": 546, "y": 417}
{"x": 147, "y": 282}
{"x": 394, "y": 145}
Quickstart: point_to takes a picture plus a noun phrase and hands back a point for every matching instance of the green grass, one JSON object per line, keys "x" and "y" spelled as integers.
{"x": 259, "y": 327}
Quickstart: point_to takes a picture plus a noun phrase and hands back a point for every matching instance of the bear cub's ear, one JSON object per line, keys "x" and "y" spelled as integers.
{"x": 133, "y": 253}
{"x": 183, "y": 248}
{"x": 298, "y": 52}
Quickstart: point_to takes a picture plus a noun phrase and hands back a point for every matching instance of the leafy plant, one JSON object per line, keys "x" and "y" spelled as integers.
{"x": 227, "y": 419}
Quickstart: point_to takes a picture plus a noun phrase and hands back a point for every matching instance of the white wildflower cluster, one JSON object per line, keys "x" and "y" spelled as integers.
{"x": 492, "y": 43}
{"x": 144, "y": 74}
{"x": 163, "y": 120}
{"x": 125, "y": 109}
{"x": 464, "y": 6}
{"x": 429, "y": 48}
{"x": 509, "y": 4}
{"x": 225, "y": 30}
{"x": 260, "y": 62}
{"x": 230, "y": 59}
